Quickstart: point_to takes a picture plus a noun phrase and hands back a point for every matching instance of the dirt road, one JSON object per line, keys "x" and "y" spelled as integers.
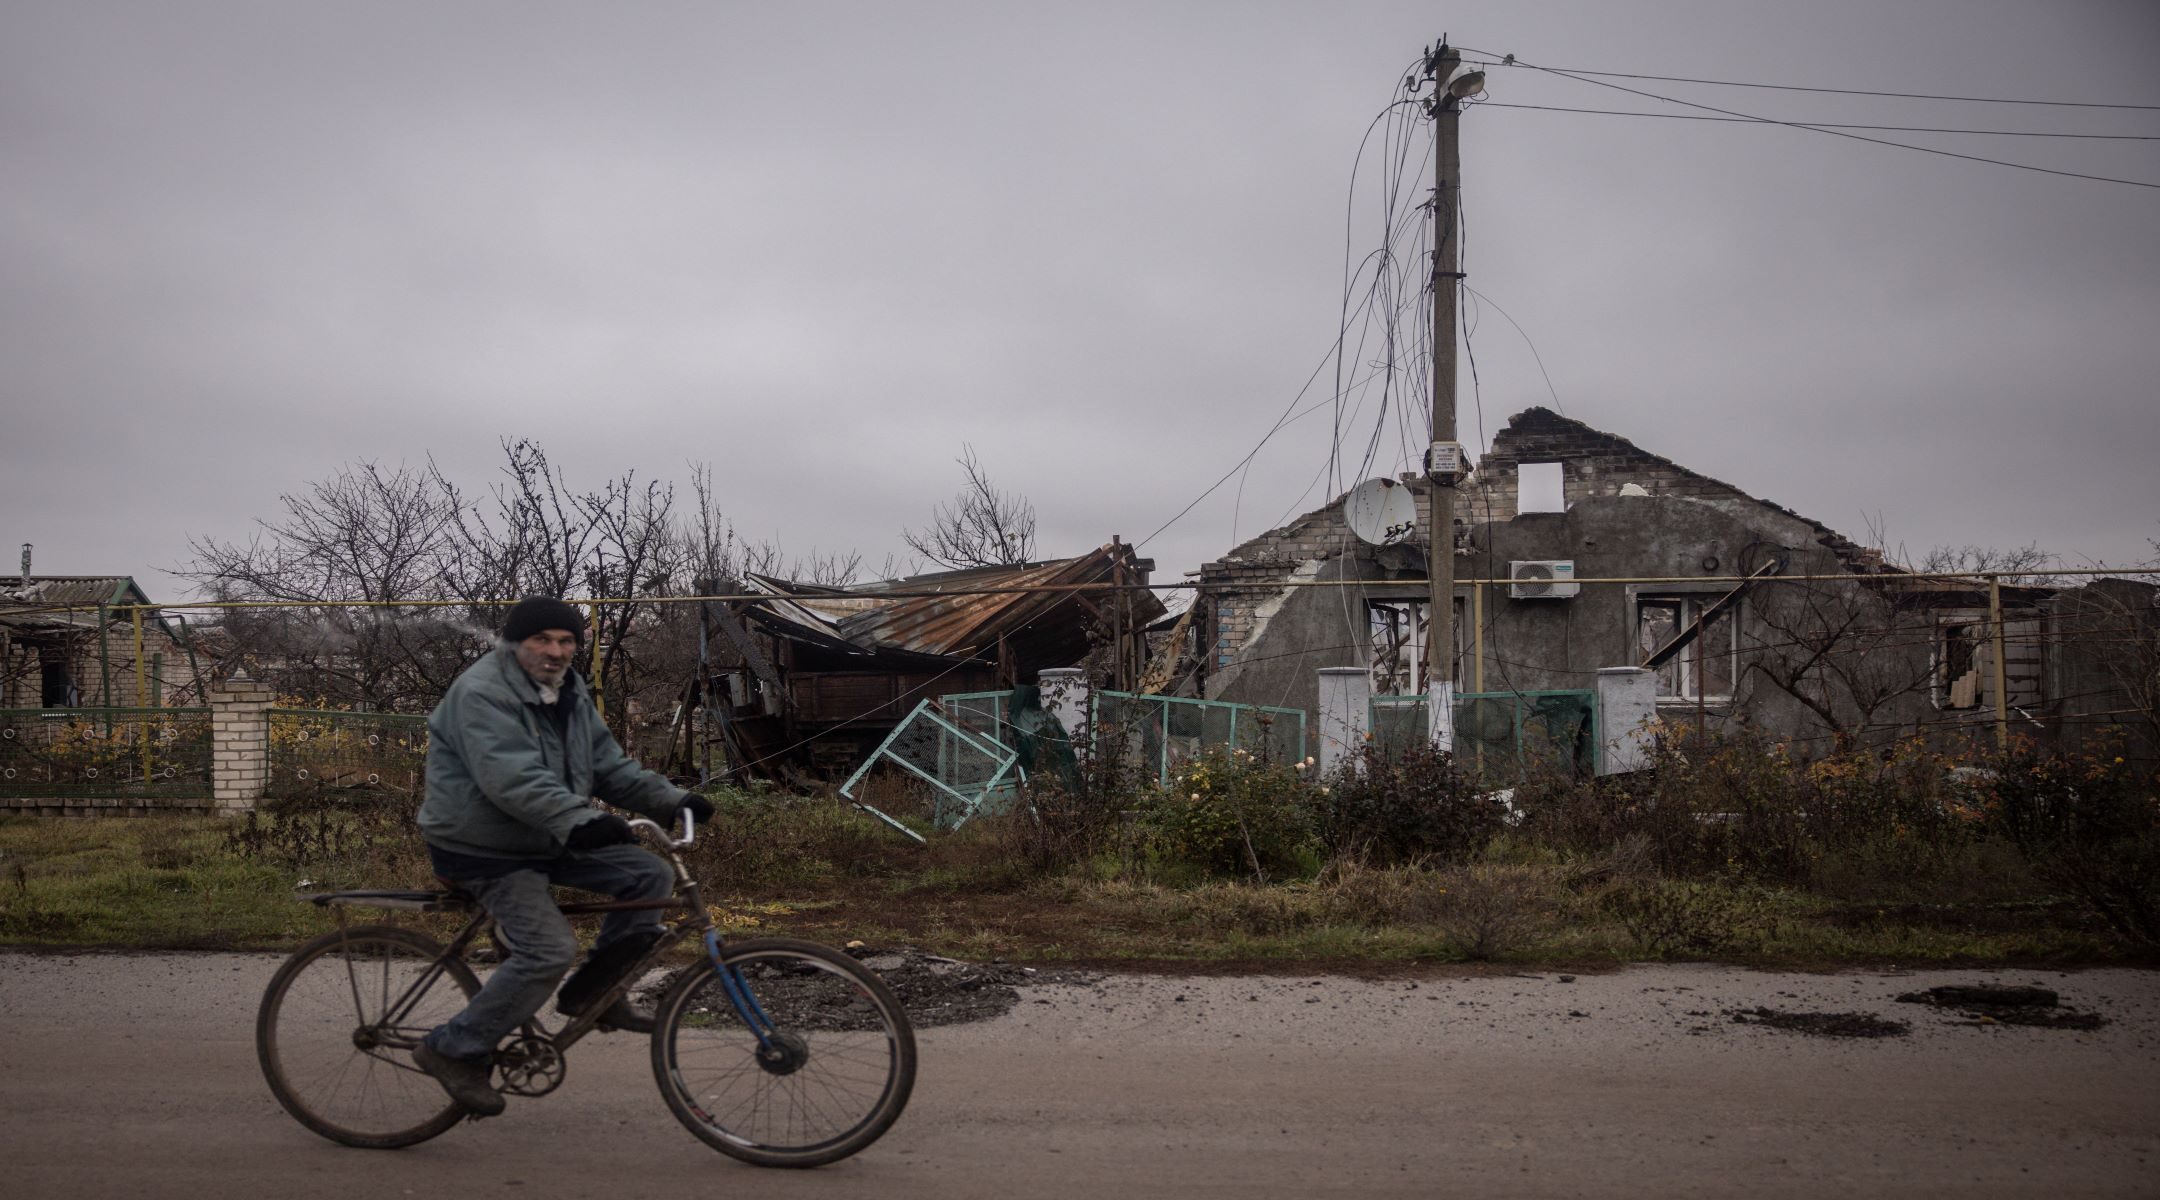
{"x": 135, "y": 1076}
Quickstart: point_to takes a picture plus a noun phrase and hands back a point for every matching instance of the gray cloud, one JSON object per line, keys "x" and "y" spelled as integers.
{"x": 241, "y": 244}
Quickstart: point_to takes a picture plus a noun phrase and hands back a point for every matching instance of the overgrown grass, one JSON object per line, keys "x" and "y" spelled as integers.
{"x": 155, "y": 882}
{"x": 1726, "y": 851}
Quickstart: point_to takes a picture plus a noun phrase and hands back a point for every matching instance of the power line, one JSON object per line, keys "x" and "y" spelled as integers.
{"x": 1512, "y": 61}
{"x": 1858, "y": 137}
{"x": 1609, "y": 112}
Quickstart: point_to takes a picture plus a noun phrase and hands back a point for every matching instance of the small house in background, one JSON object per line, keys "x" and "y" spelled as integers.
{"x": 817, "y": 676}
{"x": 1747, "y": 613}
{"x": 63, "y": 645}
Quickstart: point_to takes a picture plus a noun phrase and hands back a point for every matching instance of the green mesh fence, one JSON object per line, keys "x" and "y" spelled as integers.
{"x": 1157, "y": 733}
{"x": 147, "y": 753}
{"x": 1500, "y": 733}
{"x": 316, "y": 751}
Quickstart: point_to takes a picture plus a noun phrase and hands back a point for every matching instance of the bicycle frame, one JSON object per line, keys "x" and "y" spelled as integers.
{"x": 688, "y": 898}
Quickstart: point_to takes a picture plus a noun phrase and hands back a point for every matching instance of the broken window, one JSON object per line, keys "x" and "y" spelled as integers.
{"x": 1960, "y": 655}
{"x": 56, "y": 679}
{"x": 1965, "y": 662}
{"x": 1704, "y": 668}
{"x": 1399, "y": 630}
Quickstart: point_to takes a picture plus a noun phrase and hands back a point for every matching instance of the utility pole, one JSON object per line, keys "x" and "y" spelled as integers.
{"x": 1444, "y": 461}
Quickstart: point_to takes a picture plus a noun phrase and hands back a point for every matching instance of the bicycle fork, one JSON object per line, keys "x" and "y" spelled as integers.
{"x": 738, "y": 994}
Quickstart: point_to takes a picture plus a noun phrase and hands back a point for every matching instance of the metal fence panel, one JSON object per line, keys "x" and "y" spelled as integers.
{"x": 965, "y": 772}
{"x": 347, "y": 752}
{"x": 1500, "y": 733}
{"x": 1158, "y": 733}
{"x": 147, "y": 753}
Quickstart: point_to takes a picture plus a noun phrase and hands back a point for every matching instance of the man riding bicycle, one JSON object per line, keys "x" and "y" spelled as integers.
{"x": 515, "y": 751}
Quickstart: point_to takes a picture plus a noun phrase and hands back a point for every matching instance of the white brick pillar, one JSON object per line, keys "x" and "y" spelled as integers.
{"x": 1626, "y": 705}
{"x": 1065, "y": 696}
{"x": 1345, "y": 714}
{"x": 239, "y": 742}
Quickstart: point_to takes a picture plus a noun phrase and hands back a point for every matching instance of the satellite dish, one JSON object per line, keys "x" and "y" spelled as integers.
{"x": 1381, "y": 511}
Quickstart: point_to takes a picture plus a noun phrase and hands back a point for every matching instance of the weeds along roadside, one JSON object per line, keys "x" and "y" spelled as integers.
{"x": 1721, "y": 849}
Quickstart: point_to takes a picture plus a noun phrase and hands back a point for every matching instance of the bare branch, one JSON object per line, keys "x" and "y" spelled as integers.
{"x": 981, "y": 527}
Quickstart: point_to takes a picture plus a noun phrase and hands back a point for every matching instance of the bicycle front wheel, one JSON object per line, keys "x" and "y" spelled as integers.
{"x": 336, "y": 1030}
{"x": 827, "y": 1077}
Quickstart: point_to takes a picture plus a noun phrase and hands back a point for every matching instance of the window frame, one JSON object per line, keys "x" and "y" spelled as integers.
{"x": 1978, "y": 650}
{"x": 1687, "y": 602}
{"x": 1413, "y": 607}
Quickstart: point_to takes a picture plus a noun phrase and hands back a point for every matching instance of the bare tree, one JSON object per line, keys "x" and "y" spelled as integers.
{"x": 1850, "y": 653}
{"x": 538, "y": 538}
{"x": 366, "y": 534}
{"x": 435, "y": 568}
{"x": 981, "y": 527}
{"x": 2015, "y": 565}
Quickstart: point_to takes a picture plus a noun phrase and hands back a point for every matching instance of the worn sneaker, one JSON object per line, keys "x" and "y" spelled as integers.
{"x": 624, "y": 1016}
{"x": 464, "y": 1079}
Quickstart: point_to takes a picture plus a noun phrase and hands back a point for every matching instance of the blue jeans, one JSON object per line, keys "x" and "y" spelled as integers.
{"x": 537, "y": 940}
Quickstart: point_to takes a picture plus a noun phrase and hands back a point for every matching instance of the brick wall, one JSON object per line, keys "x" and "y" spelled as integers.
{"x": 240, "y": 741}
{"x": 1596, "y": 463}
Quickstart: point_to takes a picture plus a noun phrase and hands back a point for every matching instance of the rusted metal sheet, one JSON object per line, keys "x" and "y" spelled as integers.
{"x": 1043, "y": 623}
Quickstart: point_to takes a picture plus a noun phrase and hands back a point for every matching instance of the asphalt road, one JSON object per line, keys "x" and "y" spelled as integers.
{"x": 135, "y": 1076}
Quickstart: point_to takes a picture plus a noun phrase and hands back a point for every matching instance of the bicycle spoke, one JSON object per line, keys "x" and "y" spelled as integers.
{"x": 835, "y": 1072}
{"x": 330, "y": 1051}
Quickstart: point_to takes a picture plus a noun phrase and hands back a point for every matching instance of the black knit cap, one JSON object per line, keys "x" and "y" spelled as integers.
{"x": 536, "y": 614}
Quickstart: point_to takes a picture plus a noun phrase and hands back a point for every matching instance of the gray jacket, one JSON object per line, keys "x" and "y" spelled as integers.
{"x": 495, "y": 783}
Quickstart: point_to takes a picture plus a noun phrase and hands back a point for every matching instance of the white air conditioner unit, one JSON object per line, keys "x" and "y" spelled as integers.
{"x": 1548, "y": 579}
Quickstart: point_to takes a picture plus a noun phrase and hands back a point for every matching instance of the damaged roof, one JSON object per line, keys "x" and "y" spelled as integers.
{"x": 57, "y": 603}
{"x": 1540, "y": 434}
{"x": 1042, "y": 611}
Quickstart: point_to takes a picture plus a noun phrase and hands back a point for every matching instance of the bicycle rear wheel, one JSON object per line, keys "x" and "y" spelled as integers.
{"x": 829, "y": 1079}
{"x": 336, "y": 1030}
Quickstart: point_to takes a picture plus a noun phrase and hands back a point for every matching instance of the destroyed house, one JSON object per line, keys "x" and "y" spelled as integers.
{"x": 1746, "y": 612}
{"x": 821, "y": 674}
{"x": 68, "y": 641}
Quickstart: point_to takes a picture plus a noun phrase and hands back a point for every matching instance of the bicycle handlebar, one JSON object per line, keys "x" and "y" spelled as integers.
{"x": 689, "y": 830}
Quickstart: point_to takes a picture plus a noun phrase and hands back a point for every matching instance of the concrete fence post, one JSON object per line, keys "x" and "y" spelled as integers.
{"x": 239, "y": 742}
{"x": 1345, "y": 714}
{"x": 1065, "y": 696}
{"x": 1627, "y": 705}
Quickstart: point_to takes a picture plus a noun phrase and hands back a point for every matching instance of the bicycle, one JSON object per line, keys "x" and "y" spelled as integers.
{"x": 775, "y": 1051}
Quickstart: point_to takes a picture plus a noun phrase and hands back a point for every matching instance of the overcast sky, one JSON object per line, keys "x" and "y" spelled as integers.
{"x": 821, "y": 246}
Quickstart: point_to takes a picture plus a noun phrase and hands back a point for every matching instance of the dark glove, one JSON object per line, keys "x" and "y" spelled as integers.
{"x": 699, "y": 807}
{"x": 607, "y": 829}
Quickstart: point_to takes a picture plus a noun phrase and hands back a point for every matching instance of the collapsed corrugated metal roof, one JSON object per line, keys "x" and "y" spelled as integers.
{"x": 1042, "y": 611}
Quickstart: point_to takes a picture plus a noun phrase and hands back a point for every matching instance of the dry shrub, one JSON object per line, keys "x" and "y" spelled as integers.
{"x": 2089, "y": 824}
{"x": 1257, "y": 911}
{"x": 1679, "y": 916}
{"x": 1488, "y": 910}
{"x": 761, "y": 838}
{"x": 340, "y": 837}
{"x": 1057, "y": 828}
{"x": 1415, "y": 806}
{"x": 1976, "y": 871}
{"x": 1352, "y": 893}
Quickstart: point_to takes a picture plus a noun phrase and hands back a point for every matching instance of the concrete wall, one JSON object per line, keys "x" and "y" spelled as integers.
{"x": 1271, "y": 641}
{"x": 1264, "y": 643}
